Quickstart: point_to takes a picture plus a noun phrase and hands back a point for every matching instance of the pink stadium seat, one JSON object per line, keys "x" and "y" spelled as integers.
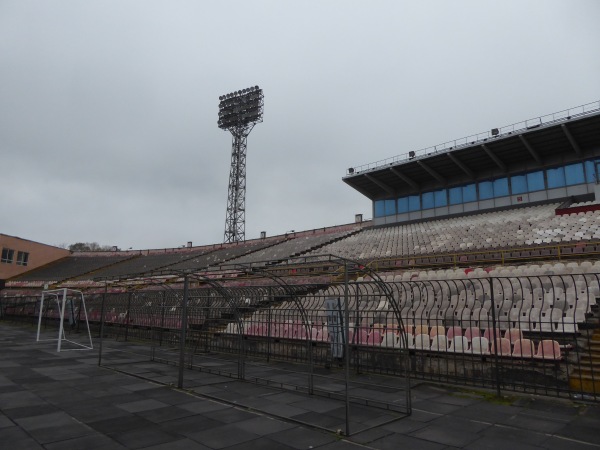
{"x": 472, "y": 332}
{"x": 523, "y": 348}
{"x": 374, "y": 338}
{"x": 512, "y": 334}
{"x": 489, "y": 334}
{"x": 453, "y": 331}
{"x": 252, "y": 330}
{"x": 548, "y": 349}
{"x": 314, "y": 333}
{"x": 501, "y": 347}
{"x": 362, "y": 337}
{"x": 300, "y": 331}
{"x": 262, "y": 329}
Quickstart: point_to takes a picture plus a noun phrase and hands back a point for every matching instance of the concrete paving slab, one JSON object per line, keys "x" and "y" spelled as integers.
{"x": 263, "y": 425}
{"x": 94, "y": 408}
{"x": 396, "y": 441}
{"x": 56, "y": 419}
{"x": 144, "y": 437}
{"x": 262, "y": 443}
{"x": 223, "y": 436}
{"x": 141, "y": 405}
{"x": 202, "y": 406}
{"x": 94, "y": 441}
{"x": 19, "y": 399}
{"x": 60, "y": 433}
{"x": 19, "y": 439}
{"x": 302, "y": 438}
{"x": 446, "y": 435}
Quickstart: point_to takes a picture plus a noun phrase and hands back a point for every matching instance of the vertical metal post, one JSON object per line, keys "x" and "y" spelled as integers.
{"x": 127, "y": 312}
{"x": 494, "y": 333}
{"x": 347, "y": 347}
{"x": 184, "y": 302}
{"x": 40, "y": 317}
{"x": 162, "y": 318}
{"x": 102, "y": 323}
{"x": 269, "y": 328}
{"x": 87, "y": 320}
{"x": 311, "y": 369}
{"x": 62, "y": 319}
{"x": 357, "y": 327}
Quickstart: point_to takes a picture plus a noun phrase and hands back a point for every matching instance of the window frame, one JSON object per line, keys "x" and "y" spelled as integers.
{"x": 22, "y": 258}
{"x": 7, "y": 256}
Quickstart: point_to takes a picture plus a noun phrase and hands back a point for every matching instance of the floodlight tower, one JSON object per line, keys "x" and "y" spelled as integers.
{"x": 239, "y": 111}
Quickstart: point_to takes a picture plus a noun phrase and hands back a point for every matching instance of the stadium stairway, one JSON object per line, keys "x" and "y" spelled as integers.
{"x": 584, "y": 376}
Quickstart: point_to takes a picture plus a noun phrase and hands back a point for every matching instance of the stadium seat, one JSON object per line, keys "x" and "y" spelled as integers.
{"x": 390, "y": 339}
{"x": 501, "y": 347}
{"x": 472, "y": 332}
{"x": 459, "y": 344}
{"x": 422, "y": 342}
{"x": 523, "y": 348}
{"x": 513, "y": 334}
{"x": 453, "y": 331}
{"x": 548, "y": 349}
{"x": 480, "y": 346}
{"x": 439, "y": 343}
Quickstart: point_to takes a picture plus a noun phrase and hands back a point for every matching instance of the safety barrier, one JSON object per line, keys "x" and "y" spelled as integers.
{"x": 535, "y": 334}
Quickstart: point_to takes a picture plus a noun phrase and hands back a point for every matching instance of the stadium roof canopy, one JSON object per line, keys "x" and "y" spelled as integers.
{"x": 567, "y": 136}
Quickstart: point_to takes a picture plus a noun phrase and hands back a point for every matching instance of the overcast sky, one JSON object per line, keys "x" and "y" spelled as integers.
{"x": 108, "y": 109}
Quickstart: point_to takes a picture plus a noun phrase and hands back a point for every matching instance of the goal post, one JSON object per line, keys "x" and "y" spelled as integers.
{"x": 66, "y": 301}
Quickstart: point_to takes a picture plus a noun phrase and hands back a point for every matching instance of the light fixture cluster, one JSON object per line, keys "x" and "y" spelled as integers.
{"x": 238, "y": 93}
{"x": 241, "y": 108}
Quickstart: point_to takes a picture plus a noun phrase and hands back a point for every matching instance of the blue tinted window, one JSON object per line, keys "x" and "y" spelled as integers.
{"x": 574, "y": 174}
{"x": 402, "y": 205}
{"x": 427, "y": 200}
{"x": 456, "y": 195}
{"x": 414, "y": 203}
{"x": 390, "y": 207}
{"x": 535, "y": 181}
{"x": 486, "y": 190}
{"x": 379, "y": 208}
{"x": 556, "y": 177}
{"x": 469, "y": 193}
{"x": 501, "y": 187}
{"x": 590, "y": 171}
{"x": 440, "y": 198}
{"x": 518, "y": 184}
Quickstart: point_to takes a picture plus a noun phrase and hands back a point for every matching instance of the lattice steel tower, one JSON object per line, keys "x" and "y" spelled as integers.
{"x": 238, "y": 112}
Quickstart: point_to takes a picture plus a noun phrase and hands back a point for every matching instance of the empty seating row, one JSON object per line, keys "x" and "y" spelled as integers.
{"x": 527, "y": 226}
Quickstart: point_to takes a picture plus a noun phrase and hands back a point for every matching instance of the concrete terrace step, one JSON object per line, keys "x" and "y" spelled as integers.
{"x": 585, "y": 383}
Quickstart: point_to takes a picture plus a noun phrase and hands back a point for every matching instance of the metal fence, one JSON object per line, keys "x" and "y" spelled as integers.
{"x": 535, "y": 334}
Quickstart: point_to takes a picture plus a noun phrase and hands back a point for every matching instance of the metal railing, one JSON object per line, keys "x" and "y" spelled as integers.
{"x": 500, "y": 256}
{"x": 534, "y": 334}
{"x": 548, "y": 119}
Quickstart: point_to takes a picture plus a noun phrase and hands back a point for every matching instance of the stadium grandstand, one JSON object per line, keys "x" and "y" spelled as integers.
{"x": 480, "y": 267}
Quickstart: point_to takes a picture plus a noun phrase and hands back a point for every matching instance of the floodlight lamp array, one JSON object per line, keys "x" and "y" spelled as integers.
{"x": 241, "y": 108}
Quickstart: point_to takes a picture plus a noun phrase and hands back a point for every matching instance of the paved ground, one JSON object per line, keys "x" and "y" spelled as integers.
{"x": 65, "y": 401}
